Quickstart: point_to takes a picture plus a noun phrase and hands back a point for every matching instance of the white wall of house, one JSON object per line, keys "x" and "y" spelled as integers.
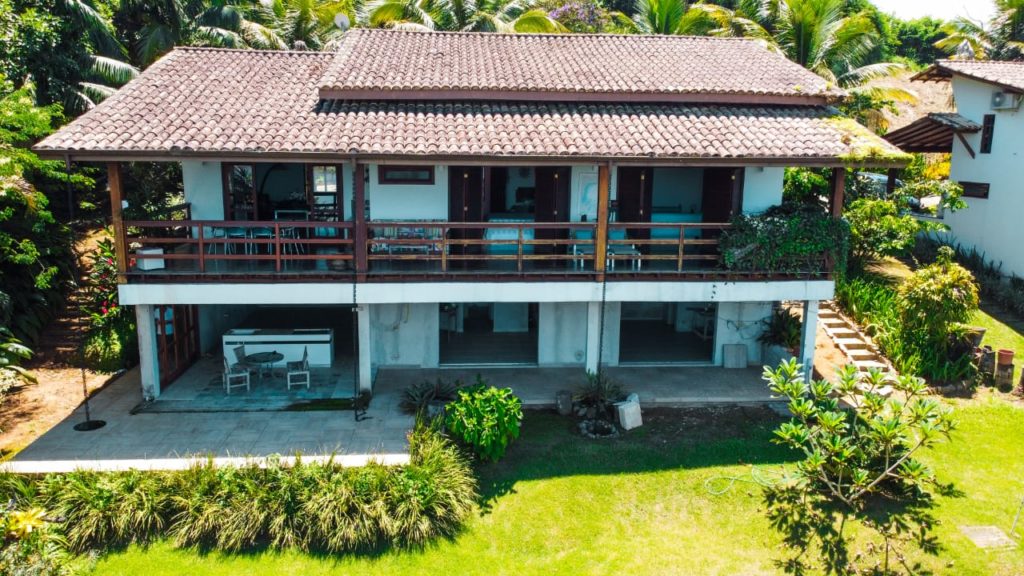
{"x": 740, "y": 323}
{"x": 405, "y": 335}
{"x": 762, "y": 188}
{"x": 991, "y": 225}
{"x": 203, "y": 188}
{"x": 408, "y": 201}
{"x": 562, "y": 333}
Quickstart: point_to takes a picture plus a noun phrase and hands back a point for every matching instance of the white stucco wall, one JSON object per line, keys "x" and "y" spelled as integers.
{"x": 740, "y": 323}
{"x": 992, "y": 225}
{"x": 562, "y": 333}
{"x": 408, "y": 201}
{"x": 762, "y": 188}
{"x": 405, "y": 335}
{"x": 203, "y": 187}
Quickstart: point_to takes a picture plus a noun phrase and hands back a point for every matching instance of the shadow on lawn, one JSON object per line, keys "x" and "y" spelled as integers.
{"x": 670, "y": 439}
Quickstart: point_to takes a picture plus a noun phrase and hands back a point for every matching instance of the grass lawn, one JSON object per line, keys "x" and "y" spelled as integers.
{"x": 1002, "y": 331}
{"x": 560, "y": 504}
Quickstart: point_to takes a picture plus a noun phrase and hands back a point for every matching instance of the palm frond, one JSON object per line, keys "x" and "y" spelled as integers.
{"x": 261, "y": 37}
{"x": 214, "y": 36}
{"x": 96, "y": 92}
{"x": 111, "y": 70}
{"x": 537, "y": 22}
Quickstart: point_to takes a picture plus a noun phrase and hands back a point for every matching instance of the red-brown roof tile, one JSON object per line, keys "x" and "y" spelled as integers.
{"x": 999, "y": 72}
{"x": 216, "y": 102}
{"x": 397, "y": 64}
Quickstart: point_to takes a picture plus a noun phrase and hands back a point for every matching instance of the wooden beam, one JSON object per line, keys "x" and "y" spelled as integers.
{"x": 966, "y": 144}
{"x": 117, "y": 211}
{"x": 359, "y": 218}
{"x": 838, "y": 191}
{"x": 601, "y": 234}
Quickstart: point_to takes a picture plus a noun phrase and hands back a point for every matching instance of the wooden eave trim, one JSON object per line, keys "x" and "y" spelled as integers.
{"x": 526, "y": 97}
{"x": 479, "y": 160}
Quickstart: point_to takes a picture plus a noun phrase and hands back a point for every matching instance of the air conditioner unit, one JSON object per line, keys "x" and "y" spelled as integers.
{"x": 1005, "y": 101}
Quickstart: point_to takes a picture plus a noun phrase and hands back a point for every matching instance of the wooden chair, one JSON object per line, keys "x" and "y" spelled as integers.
{"x": 235, "y": 376}
{"x": 298, "y": 372}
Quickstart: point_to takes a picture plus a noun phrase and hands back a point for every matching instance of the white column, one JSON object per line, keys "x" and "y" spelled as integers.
{"x": 149, "y": 361}
{"x": 807, "y": 337}
{"x": 593, "y": 335}
{"x": 365, "y": 344}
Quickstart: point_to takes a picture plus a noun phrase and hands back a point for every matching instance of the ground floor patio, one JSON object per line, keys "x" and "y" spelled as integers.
{"x": 199, "y": 420}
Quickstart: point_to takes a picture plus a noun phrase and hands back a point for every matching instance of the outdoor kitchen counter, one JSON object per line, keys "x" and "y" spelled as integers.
{"x": 318, "y": 341}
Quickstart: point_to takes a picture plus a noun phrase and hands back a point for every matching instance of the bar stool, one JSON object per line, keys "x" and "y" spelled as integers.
{"x": 262, "y": 233}
{"x": 234, "y": 233}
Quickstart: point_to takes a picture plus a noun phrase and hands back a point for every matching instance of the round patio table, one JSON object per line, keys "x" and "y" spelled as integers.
{"x": 265, "y": 360}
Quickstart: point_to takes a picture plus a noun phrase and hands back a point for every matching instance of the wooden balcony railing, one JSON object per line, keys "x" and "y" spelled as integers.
{"x": 289, "y": 250}
{"x": 232, "y": 248}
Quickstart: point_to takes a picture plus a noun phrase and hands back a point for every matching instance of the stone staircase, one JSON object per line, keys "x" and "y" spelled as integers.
{"x": 857, "y": 346}
{"x": 61, "y": 340}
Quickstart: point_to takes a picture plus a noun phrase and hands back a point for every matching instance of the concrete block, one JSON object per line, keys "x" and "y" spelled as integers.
{"x": 735, "y": 355}
{"x": 629, "y": 415}
{"x": 563, "y": 401}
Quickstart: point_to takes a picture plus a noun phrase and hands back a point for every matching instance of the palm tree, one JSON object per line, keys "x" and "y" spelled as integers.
{"x": 1002, "y": 38}
{"x": 104, "y": 54}
{"x": 466, "y": 15}
{"x": 157, "y": 26}
{"x": 307, "y": 23}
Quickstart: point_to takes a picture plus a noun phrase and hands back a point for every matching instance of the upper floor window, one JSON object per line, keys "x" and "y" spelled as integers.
{"x": 975, "y": 189}
{"x": 325, "y": 191}
{"x": 987, "y": 127}
{"x": 405, "y": 174}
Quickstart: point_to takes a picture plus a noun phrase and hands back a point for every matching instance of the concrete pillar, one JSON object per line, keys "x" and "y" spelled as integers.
{"x": 365, "y": 344}
{"x": 149, "y": 361}
{"x": 593, "y": 335}
{"x": 807, "y": 337}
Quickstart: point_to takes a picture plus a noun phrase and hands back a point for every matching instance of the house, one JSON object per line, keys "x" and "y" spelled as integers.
{"x": 986, "y": 139}
{"x": 427, "y": 199}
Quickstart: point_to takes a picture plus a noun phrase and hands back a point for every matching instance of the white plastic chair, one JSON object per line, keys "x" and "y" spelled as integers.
{"x": 298, "y": 372}
{"x": 235, "y": 376}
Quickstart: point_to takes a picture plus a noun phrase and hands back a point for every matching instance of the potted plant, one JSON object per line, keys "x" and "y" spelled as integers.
{"x": 780, "y": 340}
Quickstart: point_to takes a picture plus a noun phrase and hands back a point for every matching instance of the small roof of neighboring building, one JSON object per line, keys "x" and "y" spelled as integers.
{"x": 251, "y": 104}
{"x": 1005, "y": 74}
{"x": 933, "y": 133}
{"x": 396, "y": 64}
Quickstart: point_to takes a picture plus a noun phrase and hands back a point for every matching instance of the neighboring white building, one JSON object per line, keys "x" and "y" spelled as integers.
{"x": 529, "y": 200}
{"x": 986, "y": 139}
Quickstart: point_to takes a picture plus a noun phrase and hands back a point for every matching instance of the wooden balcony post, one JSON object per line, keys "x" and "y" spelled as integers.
{"x": 601, "y": 234}
{"x": 838, "y": 186}
{"x": 359, "y": 246}
{"x": 117, "y": 211}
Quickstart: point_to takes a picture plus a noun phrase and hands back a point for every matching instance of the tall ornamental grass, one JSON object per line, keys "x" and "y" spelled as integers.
{"x": 306, "y": 506}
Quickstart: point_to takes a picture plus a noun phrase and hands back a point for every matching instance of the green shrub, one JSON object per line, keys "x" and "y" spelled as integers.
{"x": 782, "y": 328}
{"x": 307, "y": 506}
{"x": 111, "y": 347}
{"x": 878, "y": 229}
{"x": 790, "y": 239}
{"x": 486, "y": 418}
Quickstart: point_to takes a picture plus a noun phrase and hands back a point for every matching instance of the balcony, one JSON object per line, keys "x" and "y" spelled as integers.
{"x": 302, "y": 251}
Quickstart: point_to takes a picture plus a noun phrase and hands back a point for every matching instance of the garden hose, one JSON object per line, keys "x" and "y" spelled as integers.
{"x": 726, "y": 483}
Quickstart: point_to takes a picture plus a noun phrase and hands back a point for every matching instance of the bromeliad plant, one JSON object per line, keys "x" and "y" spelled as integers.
{"x": 859, "y": 437}
{"x": 485, "y": 418}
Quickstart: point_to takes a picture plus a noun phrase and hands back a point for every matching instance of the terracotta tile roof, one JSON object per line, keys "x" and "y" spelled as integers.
{"x": 390, "y": 64}
{"x": 1009, "y": 75}
{"x": 932, "y": 133}
{"x": 216, "y": 102}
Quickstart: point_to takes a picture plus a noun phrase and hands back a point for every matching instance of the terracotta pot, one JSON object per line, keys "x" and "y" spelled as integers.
{"x": 1005, "y": 357}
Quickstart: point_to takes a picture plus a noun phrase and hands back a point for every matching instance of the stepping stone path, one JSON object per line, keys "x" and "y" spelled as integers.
{"x": 857, "y": 346}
